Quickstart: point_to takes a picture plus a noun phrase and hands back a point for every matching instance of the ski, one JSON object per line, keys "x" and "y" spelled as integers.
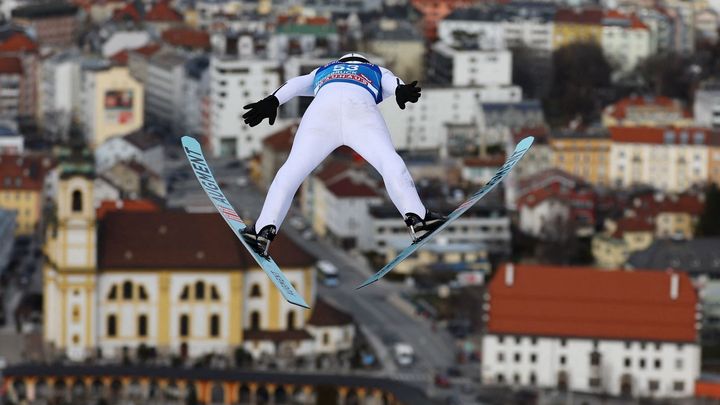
{"x": 520, "y": 149}
{"x": 195, "y": 156}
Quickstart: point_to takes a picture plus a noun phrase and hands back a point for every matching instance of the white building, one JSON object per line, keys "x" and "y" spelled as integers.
{"x": 582, "y": 329}
{"x": 11, "y": 141}
{"x": 424, "y": 125}
{"x": 124, "y": 40}
{"x": 625, "y": 40}
{"x": 528, "y": 25}
{"x": 140, "y": 146}
{"x": 480, "y": 225}
{"x": 469, "y": 67}
{"x": 233, "y": 84}
{"x": 164, "y": 101}
{"x": 60, "y": 89}
{"x": 706, "y": 108}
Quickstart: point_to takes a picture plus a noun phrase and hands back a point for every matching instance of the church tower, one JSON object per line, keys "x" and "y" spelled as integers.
{"x": 71, "y": 268}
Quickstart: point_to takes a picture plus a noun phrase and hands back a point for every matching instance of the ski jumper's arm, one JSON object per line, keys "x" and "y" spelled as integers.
{"x": 297, "y": 86}
{"x": 389, "y": 83}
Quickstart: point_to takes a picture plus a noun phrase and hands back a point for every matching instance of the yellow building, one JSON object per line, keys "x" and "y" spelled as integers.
{"x": 112, "y": 103}
{"x": 21, "y": 189}
{"x": 586, "y": 155}
{"x": 577, "y": 25}
{"x": 175, "y": 281}
{"x": 612, "y": 248}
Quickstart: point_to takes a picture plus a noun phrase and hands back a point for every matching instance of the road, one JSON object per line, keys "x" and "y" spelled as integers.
{"x": 375, "y": 308}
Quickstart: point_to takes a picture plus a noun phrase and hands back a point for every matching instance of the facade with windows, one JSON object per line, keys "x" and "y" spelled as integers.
{"x": 173, "y": 281}
{"x": 234, "y": 83}
{"x": 582, "y": 329}
{"x": 669, "y": 159}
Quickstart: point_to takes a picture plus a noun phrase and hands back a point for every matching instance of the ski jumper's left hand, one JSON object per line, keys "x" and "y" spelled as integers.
{"x": 406, "y": 93}
{"x": 265, "y": 108}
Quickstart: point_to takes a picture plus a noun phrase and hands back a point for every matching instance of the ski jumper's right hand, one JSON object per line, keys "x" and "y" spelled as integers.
{"x": 406, "y": 93}
{"x": 265, "y": 108}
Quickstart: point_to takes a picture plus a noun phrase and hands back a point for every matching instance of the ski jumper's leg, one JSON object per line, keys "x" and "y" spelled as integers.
{"x": 365, "y": 131}
{"x": 315, "y": 139}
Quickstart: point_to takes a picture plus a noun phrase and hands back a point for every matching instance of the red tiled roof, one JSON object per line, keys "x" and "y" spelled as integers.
{"x": 22, "y": 172}
{"x": 490, "y": 161}
{"x": 18, "y": 42}
{"x": 619, "y": 109}
{"x": 120, "y": 58}
{"x": 345, "y": 188}
{"x": 162, "y": 11}
{"x": 541, "y": 134}
{"x": 332, "y": 169}
{"x": 107, "y": 206}
{"x": 685, "y": 203}
{"x": 324, "y": 314}
{"x": 10, "y": 65}
{"x": 148, "y": 50}
{"x": 276, "y": 335}
{"x": 590, "y": 303}
{"x": 187, "y": 37}
{"x": 129, "y": 12}
{"x": 633, "y": 224}
{"x": 579, "y": 16}
{"x": 180, "y": 240}
{"x": 281, "y": 141}
{"x": 654, "y": 135}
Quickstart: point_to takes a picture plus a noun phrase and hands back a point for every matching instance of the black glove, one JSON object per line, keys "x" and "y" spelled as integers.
{"x": 406, "y": 93}
{"x": 265, "y": 108}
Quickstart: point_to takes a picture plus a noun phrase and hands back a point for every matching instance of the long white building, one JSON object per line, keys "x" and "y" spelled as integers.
{"x": 164, "y": 101}
{"x": 581, "y": 329}
{"x": 233, "y": 84}
{"x": 469, "y": 67}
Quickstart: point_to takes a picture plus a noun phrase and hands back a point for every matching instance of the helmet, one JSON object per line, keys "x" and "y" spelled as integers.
{"x": 353, "y": 57}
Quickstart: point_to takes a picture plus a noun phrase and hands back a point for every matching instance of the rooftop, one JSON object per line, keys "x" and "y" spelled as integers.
{"x": 324, "y": 314}
{"x": 163, "y": 12}
{"x": 666, "y": 136}
{"x": 46, "y": 9}
{"x": 180, "y": 240}
{"x": 187, "y": 38}
{"x": 583, "y": 302}
{"x": 22, "y": 172}
{"x": 696, "y": 256}
{"x": 10, "y": 65}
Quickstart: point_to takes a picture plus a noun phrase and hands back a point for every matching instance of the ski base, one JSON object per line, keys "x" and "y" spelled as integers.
{"x": 520, "y": 149}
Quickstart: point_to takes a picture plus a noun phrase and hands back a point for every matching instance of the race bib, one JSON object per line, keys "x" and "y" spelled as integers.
{"x": 365, "y": 75}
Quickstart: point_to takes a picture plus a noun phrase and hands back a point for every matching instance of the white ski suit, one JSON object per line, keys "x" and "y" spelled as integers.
{"x": 344, "y": 112}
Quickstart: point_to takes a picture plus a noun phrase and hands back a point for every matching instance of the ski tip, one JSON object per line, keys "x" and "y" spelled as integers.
{"x": 189, "y": 140}
{"x": 299, "y": 302}
{"x": 525, "y": 143}
{"x": 366, "y": 283}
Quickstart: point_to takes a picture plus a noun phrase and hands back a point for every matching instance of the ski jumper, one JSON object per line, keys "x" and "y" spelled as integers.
{"x": 344, "y": 112}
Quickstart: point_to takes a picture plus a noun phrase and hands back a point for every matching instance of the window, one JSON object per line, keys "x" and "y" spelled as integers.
{"x": 518, "y": 339}
{"x": 642, "y": 363}
{"x": 501, "y": 339}
{"x": 76, "y": 201}
{"x": 563, "y": 360}
{"x": 255, "y": 320}
{"x": 127, "y": 290}
{"x": 657, "y": 346}
{"x": 113, "y": 293}
{"x": 653, "y": 385}
{"x": 291, "y": 320}
{"x": 500, "y": 357}
{"x": 678, "y": 364}
{"x": 255, "y": 290}
{"x": 199, "y": 290}
{"x": 517, "y": 357}
{"x": 142, "y": 293}
{"x": 628, "y": 362}
{"x": 563, "y": 342}
{"x": 678, "y": 386}
{"x": 214, "y": 294}
{"x": 184, "y": 325}
{"x": 76, "y": 313}
{"x": 533, "y": 379}
{"x": 111, "y": 326}
{"x": 142, "y": 325}
{"x": 643, "y": 345}
{"x": 594, "y": 382}
{"x": 326, "y": 338}
{"x": 533, "y": 341}
{"x": 500, "y": 378}
{"x": 215, "y": 325}
{"x": 595, "y": 358}
{"x": 516, "y": 378}
{"x": 185, "y": 293}
{"x": 658, "y": 364}
{"x": 533, "y": 358}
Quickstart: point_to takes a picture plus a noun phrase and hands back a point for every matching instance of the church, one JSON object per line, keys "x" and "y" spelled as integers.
{"x": 178, "y": 282}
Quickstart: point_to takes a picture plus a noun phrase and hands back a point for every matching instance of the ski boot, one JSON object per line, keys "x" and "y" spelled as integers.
{"x": 425, "y": 225}
{"x": 259, "y": 241}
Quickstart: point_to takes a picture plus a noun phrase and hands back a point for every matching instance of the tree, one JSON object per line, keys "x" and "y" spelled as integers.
{"x": 580, "y": 74}
{"x": 709, "y": 222}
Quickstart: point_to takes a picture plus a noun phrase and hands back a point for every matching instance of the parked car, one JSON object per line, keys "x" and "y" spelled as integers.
{"x": 404, "y": 354}
{"x": 442, "y": 381}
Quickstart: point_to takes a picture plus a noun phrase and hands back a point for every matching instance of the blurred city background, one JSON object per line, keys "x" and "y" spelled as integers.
{"x": 591, "y": 275}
